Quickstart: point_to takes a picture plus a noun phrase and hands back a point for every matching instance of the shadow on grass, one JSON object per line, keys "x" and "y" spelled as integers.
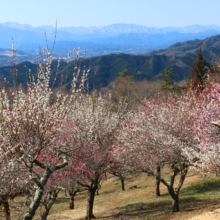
{"x": 162, "y": 194}
{"x": 203, "y": 186}
{"x": 160, "y": 208}
{"x": 157, "y": 210}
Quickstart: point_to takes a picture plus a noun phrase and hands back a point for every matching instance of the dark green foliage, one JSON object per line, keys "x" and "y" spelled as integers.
{"x": 123, "y": 75}
{"x": 104, "y": 69}
{"x": 168, "y": 83}
{"x": 199, "y": 71}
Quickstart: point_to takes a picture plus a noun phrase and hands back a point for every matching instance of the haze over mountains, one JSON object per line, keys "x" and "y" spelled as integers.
{"x": 101, "y": 40}
{"x": 145, "y": 54}
{"x": 178, "y": 56}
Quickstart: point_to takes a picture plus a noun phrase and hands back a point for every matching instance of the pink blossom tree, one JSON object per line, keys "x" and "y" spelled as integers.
{"x": 64, "y": 179}
{"x": 95, "y": 120}
{"x": 156, "y": 135}
{"x": 207, "y": 130}
{"x": 120, "y": 169}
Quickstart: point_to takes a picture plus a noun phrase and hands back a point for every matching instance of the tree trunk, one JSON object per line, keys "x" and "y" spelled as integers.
{"x": 90, "y": 203}
{"x": 174, "y": 193}
{"x": 44, "y": 215}
{"x": 158, "y": 175}
{"x": 122, "y": 184}
{"x": 34, "y": 204}
{"x": 48, "y": 203}
{"x": 72, "y": 197}
{"x": 41, "y": 184}
{"x": 176, "y": 203}
{"x": 71, "y": 202}
{"x": 7, "y": 210}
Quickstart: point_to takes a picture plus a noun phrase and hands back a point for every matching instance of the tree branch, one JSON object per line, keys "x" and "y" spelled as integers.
{"x": 216, "y": 124}
{"x": 65, "y": 162}
{"x": 38, "y": 163}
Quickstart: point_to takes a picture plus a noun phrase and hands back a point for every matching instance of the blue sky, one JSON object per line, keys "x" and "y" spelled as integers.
{"x": 152, "y": 13}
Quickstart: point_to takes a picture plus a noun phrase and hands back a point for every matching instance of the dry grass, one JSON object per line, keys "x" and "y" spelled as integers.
{"x": 198, "y": 195}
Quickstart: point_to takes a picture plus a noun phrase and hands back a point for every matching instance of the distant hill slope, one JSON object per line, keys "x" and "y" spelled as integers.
{"x": 105, "y": 68}
{"x": 147, "y": 66}
{"x": 6, "y": 57}
{"x": 211, "y": 44}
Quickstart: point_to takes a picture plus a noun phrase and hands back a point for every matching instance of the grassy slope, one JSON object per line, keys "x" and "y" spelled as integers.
{"x": 197, "y": 195}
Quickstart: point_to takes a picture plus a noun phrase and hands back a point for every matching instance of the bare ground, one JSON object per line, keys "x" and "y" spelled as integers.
{"x": 121, "y": 205}
{"x": 118, "y": 214}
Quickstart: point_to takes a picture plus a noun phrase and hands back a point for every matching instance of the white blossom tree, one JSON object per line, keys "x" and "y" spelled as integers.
{"x": 30, "y": 123}
{"x": 156, "y": 135}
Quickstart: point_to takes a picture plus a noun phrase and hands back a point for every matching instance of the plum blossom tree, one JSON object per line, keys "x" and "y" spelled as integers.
{"x": 120, "y": 170}
{"x": 30, "y": 121}
{"x": 49, "y": 198}
{"x": 207, "y": 130}
{"x": 13, "y": 182}
{"x": 64, "y": 179}
{"x": 123, "y": 166}
{"x": 95, "y": 120}
{"x": 156, "y": 135}
{"x": 52, "y": 189}
{"x": 73, "y": 189}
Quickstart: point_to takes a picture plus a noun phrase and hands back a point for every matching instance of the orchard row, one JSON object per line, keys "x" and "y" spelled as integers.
{"x": 50, "y": 141}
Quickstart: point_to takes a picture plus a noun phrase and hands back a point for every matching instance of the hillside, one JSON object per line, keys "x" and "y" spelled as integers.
{"x": 147, "y": 66}
{"x": 210, "y": 44}
{"x": 105, "y": 68}
{"x": 6, "y": 57}
{"x": 199, "y": 196}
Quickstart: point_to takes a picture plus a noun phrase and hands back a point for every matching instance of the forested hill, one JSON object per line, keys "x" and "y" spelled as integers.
{"x": 104, "y": 68}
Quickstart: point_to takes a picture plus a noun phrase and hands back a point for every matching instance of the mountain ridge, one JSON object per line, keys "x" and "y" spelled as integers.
{"x": 91, "y": 34}
{"x": 121, "y": 27}
{"x": 120, "y": 40}
{"x": 148, "y": 66}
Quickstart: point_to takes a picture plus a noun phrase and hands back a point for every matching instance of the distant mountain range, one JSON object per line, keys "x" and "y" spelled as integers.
{"x": 178, "y": 56}
{"x": 110, "y": 30}
{"x": 101, "y": 40}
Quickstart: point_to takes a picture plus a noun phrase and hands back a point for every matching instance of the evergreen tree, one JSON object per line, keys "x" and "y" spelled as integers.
{"x": 168, "y": 83}
{"x": 123, "y": 75}
{"x": 199, "y": 71}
